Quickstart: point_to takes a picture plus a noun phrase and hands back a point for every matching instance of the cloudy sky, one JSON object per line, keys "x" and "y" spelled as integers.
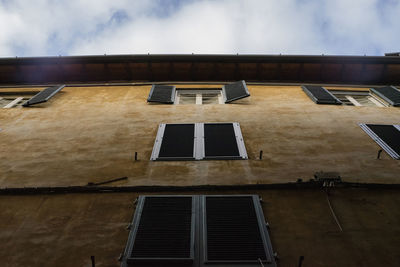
{"x": 87, "y": 27}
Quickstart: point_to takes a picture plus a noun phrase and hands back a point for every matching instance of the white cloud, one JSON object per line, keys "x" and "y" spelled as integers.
{"x": 76, "y": 27}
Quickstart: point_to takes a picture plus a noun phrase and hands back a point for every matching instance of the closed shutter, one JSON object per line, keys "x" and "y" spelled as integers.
{"x": 163, "y": 232}
{"x": 387, "y": 136}
{"x": 43, "y": 95}
{"x": 162, "y": 94}
{"x": 220, "y": 141}
{"x": 235, "y": 91}
{"x": 389, "y": 93}
{"x": 197, "y": 141}
{"x": 235, "y": 231}
{"x": 320, "y": 95}
{"x": 199, "y": 230}
{"x": 174, "y": 142}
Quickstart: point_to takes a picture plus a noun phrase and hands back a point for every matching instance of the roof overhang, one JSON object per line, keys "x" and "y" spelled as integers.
{"x": 363, "y": 70}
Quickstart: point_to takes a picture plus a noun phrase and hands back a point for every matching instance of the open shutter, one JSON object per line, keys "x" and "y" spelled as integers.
{"x": 43, "y": 95}
{"x": 235, "y": 91}
{"x": 320, "y": 95}
{"x": 162, "y": 94}
{"x": 162, "y": 233}
{"x": 387, "y": 136}
{"x": 235, "y": 232}
{"x": 388, "y": 93}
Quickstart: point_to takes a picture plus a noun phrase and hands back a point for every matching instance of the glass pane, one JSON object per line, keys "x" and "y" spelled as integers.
{"x": 187, "y": 98}
{"x": 364, "y": 101}
{"x": 344, "y": 100}
{"x": 210, "y": 99}
{"x": 5, "y": 101}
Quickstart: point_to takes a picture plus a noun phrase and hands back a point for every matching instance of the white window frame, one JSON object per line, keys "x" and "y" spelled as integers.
{"x": 199, "y": 94}
{"x": 199, "y": 144}
{"x": 14, "y": 103}
{"x": 379, "y": 102}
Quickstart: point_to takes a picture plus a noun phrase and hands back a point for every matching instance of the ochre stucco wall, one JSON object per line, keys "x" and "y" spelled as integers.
{"x": 90, "y": 134}
{"x": 66, "y": 229}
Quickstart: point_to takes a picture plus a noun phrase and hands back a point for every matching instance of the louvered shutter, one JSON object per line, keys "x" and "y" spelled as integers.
{"x": 389, "y": 93}
{"x": 163, "y": 232}
{"x": 162, "y": 94}
{"x": 43, "y": 95}
{"x": 320, "y": 95}
{"x": 235, "y": 231}
{"x": 235, "y": 91}
{"x": 220, "y": 141}
{"x": 174, "y": 142}
{"x": 387, "y": 136}
{"x": 197, "y": 141}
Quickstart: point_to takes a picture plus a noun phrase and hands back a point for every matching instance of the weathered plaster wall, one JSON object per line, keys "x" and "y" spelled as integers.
{"x": 65, "y": 230}
{"x": 91, "y": 133}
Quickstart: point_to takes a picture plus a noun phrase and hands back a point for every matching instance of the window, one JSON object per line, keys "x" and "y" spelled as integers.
{"x": 197, "y": 141}
{"x": 186, "y": 96}
{"x": 12, "y": 99}
{"x": 167, "y": 94}
{"x": 359, "y": 98}
{"x": 381, "y": 97}
{"x": 389, "y": 93}
{"x": 198, "y": 231}
{"x": 386, "y": 136}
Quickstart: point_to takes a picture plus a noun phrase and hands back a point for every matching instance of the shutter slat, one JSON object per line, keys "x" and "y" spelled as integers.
{"x": 388, "y": 93}
{"x": 164, "y": 232}
{"x": 162, "y": 94}
{"x": 233, "y": 231}
{"x": 177, "y": 142}
{"x": 320, "y": 95}
{"x": 220, "y": 141}
{"x": 235, "y": 91}
{"x": 43, "y": 95}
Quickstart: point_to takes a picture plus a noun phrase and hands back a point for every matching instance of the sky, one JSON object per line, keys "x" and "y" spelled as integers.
{"x": 294, "y": 27}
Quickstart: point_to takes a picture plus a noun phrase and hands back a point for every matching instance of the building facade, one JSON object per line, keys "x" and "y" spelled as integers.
{"x": 73, "y": 164}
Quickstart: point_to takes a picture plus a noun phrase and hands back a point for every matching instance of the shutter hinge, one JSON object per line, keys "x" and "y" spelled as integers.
{"x": 276, "y": 256}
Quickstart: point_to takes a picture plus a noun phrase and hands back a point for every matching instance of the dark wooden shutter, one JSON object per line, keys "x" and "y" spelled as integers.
{"x": 220, "y": 141}
{"x": 162, "y": 94}
{"x": 388, "y": 93}
{"x": 320, "y": 95}
{"x": 163, "y": 234}
{"x": 177, "y": 142}
{"x": 43, "y": 95}
{"x": 387, "y": 136}
{"x": 235, "y": 91}
{"x": 234, "y": 232}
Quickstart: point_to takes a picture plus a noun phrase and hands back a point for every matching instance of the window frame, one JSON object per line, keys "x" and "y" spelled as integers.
{"x": 199, "y": 95}
{"x": 199, "y": 143}
{"x": 348, "y": 94}
{"x": 16, "y": 98}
